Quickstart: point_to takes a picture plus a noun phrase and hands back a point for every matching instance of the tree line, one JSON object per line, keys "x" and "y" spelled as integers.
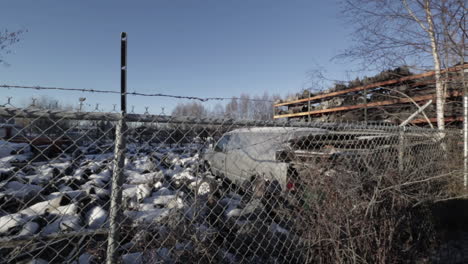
{"x": 259, "y": 107}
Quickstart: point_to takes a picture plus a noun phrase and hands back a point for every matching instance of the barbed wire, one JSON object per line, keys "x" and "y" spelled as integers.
{"x": 202, "y": 99}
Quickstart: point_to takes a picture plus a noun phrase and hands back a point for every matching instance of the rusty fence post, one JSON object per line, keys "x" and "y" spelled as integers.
{"x": 119, "y": 163}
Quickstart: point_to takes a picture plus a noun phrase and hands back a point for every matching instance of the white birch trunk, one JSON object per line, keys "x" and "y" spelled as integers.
{"x": 440, "y": 95}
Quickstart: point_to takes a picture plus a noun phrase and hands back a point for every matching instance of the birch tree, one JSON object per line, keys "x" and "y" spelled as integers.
{"x": 391, "y": 33}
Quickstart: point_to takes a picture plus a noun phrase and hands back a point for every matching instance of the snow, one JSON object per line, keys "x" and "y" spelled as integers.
{"x": 231, "y": 206}
{"x": 234, "y": 211}
{"x": 9, "y": 149}
{"x": 145, "y": 207}
{"x": 65, "y": 188}
{"x": 144, "y": 164}
{"x": 138, "y": 178}
{"x": 149, "y": 216}
{"x": 10, "y": 221}
{"x": 139, "y": 192}
{"x": 103, "y": 177}
{"x": 163, "y": 191}
{"x": 38, "y": 179}
{"x": 176, "y": 203}
{"x": 100, "y": 192}
{"x": 41, "y": 207}
{"x": 184, "y": 175}
{"x": 277, "y": 228}
{"x": 64, "y": 223}
{"x": 21, "y": 190}
{"x": 29, "y": 229}
{"x": 60, "y": 165}
{"x": 70, "y": 209}
{"x": 158, "y": 191}
{"x": 5, "y": 161}
{"x": 98, "y": 182}
{"x": 160, "y": 199}
{"x": 5, "y": 171}
{"x": 158, "y": 185}
{"x": 96, "y": 217}
{"x": 74, "y": 195}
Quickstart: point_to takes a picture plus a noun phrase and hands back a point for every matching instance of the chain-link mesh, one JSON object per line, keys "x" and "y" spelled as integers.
{"x": 200, "y": 190}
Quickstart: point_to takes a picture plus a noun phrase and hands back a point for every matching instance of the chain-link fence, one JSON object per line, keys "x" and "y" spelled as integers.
{"x": 81, "y": 187}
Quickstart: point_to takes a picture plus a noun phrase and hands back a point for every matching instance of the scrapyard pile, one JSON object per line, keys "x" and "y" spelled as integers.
{"x": 383, "y": 76}
{"x": 387, "y": 97}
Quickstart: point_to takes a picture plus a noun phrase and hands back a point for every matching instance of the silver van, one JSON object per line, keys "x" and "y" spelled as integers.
{"x": 247, "y": 153}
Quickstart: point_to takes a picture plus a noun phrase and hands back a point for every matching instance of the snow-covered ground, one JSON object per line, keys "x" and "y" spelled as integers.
{"x": 164, "y": 217}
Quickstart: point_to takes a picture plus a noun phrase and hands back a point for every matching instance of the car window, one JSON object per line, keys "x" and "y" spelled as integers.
{"x": 222, "y": 143}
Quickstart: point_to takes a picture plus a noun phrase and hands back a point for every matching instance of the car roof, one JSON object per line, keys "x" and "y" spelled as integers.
{"x": 275, "y": 130}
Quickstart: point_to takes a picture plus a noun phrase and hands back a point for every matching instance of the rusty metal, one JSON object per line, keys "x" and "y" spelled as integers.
{"x": 369, "y": 105}
{"x": 370, "y": 86}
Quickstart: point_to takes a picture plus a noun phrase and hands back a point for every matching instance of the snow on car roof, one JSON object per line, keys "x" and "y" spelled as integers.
{"x": 280, "y": 130}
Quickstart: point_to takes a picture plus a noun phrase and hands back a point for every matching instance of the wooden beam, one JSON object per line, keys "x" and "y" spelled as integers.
{"x": 434, "y": 120}
{"x": 369, "y": 105}
{"x": 370, "y": 86}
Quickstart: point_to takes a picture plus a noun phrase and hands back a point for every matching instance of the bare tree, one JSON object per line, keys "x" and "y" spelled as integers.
{"x": 190, "y": 109}
{"x": 45, "y": 125}
{"x": 406, "y": 32}
{"x": 232, "y": 109}
{"x": 7, "y": 39}
{"x": 263, "y": 107}
{"x": 217, "y": 111}
{"x": 244, "y": 106}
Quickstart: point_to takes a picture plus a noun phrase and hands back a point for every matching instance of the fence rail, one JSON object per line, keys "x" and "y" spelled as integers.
{"x": 204, "y": 190}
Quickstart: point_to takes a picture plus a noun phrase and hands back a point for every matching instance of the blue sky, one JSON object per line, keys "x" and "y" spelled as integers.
{"x": 191, "y": 47}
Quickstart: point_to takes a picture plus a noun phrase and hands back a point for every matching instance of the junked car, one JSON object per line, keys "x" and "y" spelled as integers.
{"x": 285, "y": 155}
{"x": 243, "y": 155}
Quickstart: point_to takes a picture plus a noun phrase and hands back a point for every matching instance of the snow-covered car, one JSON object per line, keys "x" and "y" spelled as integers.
{"x": 245, "y": 154}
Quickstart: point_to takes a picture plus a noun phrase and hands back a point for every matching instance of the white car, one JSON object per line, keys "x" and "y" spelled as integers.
{"x": 244, "y": 154}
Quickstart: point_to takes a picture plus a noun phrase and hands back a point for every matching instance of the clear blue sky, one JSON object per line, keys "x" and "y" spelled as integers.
{"x": 201, "y": 48}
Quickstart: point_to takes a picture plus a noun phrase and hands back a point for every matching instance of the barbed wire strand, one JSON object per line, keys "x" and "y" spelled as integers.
{"x": 203, "y": 99}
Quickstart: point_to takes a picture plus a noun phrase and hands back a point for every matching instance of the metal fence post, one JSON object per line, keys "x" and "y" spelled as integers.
{"x": 119, "y": 162}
